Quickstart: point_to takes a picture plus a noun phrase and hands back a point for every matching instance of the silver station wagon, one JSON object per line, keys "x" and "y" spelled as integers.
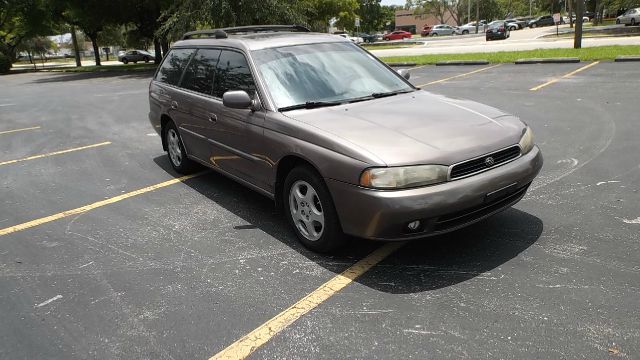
{"x": 341, "y": 142}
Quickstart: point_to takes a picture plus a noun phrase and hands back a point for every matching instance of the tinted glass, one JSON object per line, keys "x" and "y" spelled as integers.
{"x": 173, "y": 65}
{"x": 233, "y": 74}
{"x": 200, "y": 73}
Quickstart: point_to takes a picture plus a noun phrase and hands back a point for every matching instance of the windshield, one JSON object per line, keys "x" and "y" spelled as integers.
{"x": 330, "y": 72}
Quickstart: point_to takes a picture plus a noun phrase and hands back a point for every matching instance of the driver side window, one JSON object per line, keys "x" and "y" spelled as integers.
{"x": 233, "y": 73}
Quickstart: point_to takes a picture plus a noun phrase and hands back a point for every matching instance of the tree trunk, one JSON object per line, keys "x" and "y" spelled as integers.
{"x": 96, "y": 51}
{"x": 577, "y": 40}
{"x": 477, "y": 15}
{"x": 570, "y": 12}
{"x": 595, "y": 8}
{"x": 165, "y": 46}
{"x": 158, "y": 50}
{"x": 76, "y": 49}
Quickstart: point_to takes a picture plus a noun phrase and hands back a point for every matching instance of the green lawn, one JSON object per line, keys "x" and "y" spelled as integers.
{"x": 585, "y": 54}
{"x": 389, "y": 46}
{"x": 121, "y": 68}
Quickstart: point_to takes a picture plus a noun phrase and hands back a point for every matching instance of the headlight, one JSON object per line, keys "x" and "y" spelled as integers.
{"x": 526, "y": 142}
{"x": 403, "y": 177}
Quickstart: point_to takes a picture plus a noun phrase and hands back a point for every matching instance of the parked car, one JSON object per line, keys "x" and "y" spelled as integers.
{"x": 515, "y": 24}
{"x": 341, "y": 143}
{"x": 470, "y": 28}
{"x": 566, "y": 20}
{"x": 546, "y": 20}
{"x": 134, "y": 56}
{"x": 369, "y": 38}
{"x": 397, "y": 35}
{"x": 355, "y": 39}
{"x": 425, "y": 30}
{"x": 442, "y": 29}
{"x": 497, "y": 30}
{"x": 631, "y": 17}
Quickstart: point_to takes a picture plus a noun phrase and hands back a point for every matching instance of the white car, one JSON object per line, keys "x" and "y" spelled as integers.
{"x": 470, "y": 28}
{"x": 565, "y": 19}
{"x": 355, "y": 39}
{"x": 631, "y": 17}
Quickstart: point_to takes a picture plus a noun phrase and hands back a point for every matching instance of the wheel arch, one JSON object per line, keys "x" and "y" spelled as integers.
{"x": 284, "y": 167}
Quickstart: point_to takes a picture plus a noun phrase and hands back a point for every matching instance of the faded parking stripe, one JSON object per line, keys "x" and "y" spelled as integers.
{"x": 54, "y": 153}
{"x": 95, "y": 205}
{"x": 18, "y": 130}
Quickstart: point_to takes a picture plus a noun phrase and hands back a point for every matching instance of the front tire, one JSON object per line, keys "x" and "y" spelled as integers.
{"x": 310, "y": 211}
{"x": 125, "y": 61}
{"x": 533, "y": 26}
{"x": 176, "y": 152}
{"x": 465, "y": 32}
{"x": 633, "y": 22}
{"x": 146, "y": 59}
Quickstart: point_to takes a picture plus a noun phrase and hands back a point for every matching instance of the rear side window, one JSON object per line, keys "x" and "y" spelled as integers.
{"x": 173, "y": 66}
{"x": 233, "y": 74}
{"x": 200, "y": 73}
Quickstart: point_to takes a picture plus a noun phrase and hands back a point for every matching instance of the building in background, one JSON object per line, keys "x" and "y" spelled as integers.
{"x": 408, "y": 21}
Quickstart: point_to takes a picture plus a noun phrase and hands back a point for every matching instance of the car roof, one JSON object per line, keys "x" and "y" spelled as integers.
{"x": 262, "y": 40}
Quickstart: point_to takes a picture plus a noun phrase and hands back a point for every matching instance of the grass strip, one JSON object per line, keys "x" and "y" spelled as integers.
{"x": 107, "y": 68}
{"x": 584, "y": 54}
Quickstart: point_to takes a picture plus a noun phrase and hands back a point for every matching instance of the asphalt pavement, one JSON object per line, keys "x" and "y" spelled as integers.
{"x": 183, "y": 269}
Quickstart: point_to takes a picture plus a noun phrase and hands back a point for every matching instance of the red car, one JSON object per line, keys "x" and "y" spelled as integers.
{"x": 397, "y": 35}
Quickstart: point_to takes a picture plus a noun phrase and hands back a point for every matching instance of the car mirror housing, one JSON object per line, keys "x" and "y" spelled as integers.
{"x": 404, "y": 73}
{"x": 237, "y": 99}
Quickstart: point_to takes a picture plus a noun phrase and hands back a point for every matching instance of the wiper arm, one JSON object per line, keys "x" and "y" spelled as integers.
{"x": 390, "y": 93}
{"x": 310, "y": 105}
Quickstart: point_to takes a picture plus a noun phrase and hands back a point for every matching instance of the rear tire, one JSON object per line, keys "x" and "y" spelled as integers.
{"x": 633, "y": 22}
{"x": 176, "y": 152}
{"x": 618, "y": 21}
{"x": 310, "y": 211}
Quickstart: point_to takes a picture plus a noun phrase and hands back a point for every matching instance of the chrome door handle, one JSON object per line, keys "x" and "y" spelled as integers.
{"x": 174, "y": 105}
{"x": 213, "y": 118}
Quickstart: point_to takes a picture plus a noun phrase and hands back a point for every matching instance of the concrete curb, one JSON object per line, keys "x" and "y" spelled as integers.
{"x": 548, "y": 61}
{"x": 402, "y": 64}
{"x": 462, "y": 62}
{"x": 627, "y": 58}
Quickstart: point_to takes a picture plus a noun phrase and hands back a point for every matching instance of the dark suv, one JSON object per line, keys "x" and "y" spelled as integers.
{"x": 340, "y": 141}
{"x": 546, "y": 20}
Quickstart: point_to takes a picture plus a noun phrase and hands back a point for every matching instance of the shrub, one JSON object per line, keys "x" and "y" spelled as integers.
{"x": 5, "y": 64}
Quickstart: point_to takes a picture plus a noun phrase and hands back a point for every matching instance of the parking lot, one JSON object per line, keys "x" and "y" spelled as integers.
{"x": 104, "y": 254}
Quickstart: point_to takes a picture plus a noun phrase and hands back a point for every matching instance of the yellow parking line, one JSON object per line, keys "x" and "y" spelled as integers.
{"x": 262, "y": 334}
{"x": 54, "y": 153}
{"x": 16, "y": 130}
{"x": 95, "y": 205}
{"x": 564, "y": 76}
{"x": 460, "y": 75}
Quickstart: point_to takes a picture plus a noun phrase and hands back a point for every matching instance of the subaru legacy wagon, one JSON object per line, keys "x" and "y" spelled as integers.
{"x": 340, "y": 141}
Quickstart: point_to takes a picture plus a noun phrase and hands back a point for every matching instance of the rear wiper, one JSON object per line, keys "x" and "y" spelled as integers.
{"x": 310, "y": 105}
{"x": 390, "y": 93}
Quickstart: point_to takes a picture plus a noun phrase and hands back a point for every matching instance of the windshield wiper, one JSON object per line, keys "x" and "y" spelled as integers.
{"x": 390, "y": 93}
{"x": 310, "y": 105}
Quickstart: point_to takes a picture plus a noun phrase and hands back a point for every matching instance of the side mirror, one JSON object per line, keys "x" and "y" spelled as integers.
{"x": 237, "y": 99}
{"x": 404, "y": 73}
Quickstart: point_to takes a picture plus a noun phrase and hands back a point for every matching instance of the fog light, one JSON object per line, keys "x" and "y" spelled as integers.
{"x": 414, "y": 225}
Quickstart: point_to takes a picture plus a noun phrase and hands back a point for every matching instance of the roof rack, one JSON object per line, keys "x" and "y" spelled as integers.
{"x": 223, "y": 32}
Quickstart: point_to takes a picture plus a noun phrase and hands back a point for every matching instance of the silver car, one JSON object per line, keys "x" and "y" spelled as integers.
{"x": 442, "y": 29}
{"x": 134, "y": 56}
{"x": 342, "y": 143}
{"x": 631, "y": 17}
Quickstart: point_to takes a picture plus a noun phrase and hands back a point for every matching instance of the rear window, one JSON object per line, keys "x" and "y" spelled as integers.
{"x": 200, "y": 73}
{"x": 173, "y": 66}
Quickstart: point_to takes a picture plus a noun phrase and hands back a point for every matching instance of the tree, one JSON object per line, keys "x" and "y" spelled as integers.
{"x": 91, "y": 16}
{"x": 19, "y": 20}
{"x": 372, "y": 18}
{"x": 39, "y": 45}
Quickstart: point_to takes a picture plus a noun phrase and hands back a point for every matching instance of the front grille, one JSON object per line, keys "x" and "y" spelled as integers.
{"x": 482, "y": 164}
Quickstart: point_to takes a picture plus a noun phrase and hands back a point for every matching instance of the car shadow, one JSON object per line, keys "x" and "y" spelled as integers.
{"x": 420, "y": 265}
{"x": 67, "y": 77}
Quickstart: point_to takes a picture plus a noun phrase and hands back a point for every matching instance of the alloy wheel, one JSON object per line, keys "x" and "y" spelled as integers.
{"x": 306, "y": 210}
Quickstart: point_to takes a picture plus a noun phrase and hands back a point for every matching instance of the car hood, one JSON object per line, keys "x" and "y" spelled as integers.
{"x": 416, "y": 128}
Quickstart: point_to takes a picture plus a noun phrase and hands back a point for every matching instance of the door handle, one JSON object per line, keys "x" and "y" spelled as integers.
{"x": 213, "y": 118}
{"x": 174, "y": 105}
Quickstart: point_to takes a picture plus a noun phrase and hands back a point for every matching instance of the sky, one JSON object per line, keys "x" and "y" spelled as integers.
{"x": 393, "y": 2}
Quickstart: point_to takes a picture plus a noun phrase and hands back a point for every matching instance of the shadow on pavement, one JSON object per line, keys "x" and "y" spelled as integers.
{"x": 421, "y": 265}
{"x": 66, "y": 77}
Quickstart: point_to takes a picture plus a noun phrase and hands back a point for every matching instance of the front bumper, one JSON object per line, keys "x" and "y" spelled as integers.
{"x": 384, "y": 214}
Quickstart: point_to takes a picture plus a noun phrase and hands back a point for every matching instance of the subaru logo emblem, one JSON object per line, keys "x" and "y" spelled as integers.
{"x": 489, "y": 161}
